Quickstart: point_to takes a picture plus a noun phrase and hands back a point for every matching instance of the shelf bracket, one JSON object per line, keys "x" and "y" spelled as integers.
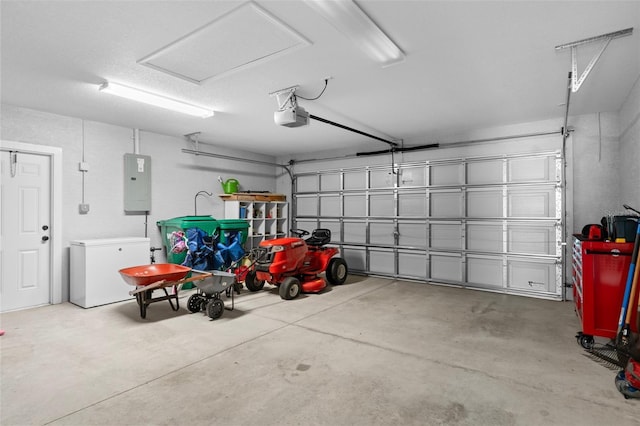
{"x": 576, "y": 81}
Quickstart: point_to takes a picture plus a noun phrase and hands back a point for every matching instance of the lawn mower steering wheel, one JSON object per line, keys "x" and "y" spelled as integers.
{"x": 299, "y": 232}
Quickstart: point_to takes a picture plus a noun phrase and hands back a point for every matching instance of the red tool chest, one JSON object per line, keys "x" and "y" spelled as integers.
{"x": 600, "y": 271}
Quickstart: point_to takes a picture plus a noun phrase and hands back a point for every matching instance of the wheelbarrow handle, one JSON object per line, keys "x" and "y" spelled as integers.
{"x": 151, "y": 286}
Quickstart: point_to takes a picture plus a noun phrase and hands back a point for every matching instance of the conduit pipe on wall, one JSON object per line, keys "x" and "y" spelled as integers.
{"x": 136, "y": 141}
{"x": 244, "y": 160}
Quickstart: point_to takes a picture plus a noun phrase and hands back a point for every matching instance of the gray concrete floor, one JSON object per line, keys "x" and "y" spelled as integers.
{"x": 372, "y": 351}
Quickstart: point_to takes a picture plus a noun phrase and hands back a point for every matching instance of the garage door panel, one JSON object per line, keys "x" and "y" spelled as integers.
{"x": 412, "y": 235}
{"x": 447, "y": 174}
{"x": 382, "y": 204}
{"x": 330, "y": 182}
{"x": 307, "y": 183}
{"x": 485, "y": 172}
{"x": 356, "y": 258}
{"x": 532, "y": 276}
{"x": 487, "y": 237}
{"x": 355, "y": 205}
{"x": 487, "y": 203}
{"x": 381, "y": 233}
{"x": 536, "y": 202}
{"x": 355, "y": 180}
{"x": 532, "y": 238}
{"x": 330, "y": 205}
{"x": 531, "y": 169}
{"x": 411, "y": 264}
{"x": 445, "y": 235}
{"x": 485, "y": 271}
{"x": 446, "y": 267}
{"x": 382, "y": 178}
{"x": 445, "y": 204}
{"x": 413, "y": 176}
{"x": 355, "y": 232}
{"x": 307, "y": 206}
{"x": 412, "y": 204}
{"x": 381, "y": 261}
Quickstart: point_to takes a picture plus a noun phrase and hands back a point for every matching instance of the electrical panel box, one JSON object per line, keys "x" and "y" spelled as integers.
{"x": 137, "y": 183}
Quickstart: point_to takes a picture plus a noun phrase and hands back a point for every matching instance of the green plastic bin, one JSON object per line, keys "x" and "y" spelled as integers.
{"x": 230, "y": 226}
{"x": 180, "y": 224}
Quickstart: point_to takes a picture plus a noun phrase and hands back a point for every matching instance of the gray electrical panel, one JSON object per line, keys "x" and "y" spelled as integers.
{"x": 137, "y": 183}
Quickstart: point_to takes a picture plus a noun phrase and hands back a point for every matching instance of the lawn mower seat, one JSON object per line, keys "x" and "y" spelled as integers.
{"x": 319, "y": 237}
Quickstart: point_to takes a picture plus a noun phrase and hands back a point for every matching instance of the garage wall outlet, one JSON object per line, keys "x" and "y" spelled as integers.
{"x": 83, "y": 208}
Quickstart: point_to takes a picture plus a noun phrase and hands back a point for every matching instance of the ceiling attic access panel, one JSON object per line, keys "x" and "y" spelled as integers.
{"x": 243, "y": 37}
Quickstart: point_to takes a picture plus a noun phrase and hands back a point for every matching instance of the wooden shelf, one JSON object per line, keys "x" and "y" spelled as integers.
{"x": 251, "y": 196}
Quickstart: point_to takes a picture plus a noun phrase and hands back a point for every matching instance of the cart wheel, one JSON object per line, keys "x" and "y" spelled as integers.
{"x": 194, "y": 303}
{"x": 586, "y": 341}
{"x": 215, "y": 308}
{"x": 337, "y": 271}
{"x": 290, "y": 288}
{"x": 253, "y": 283}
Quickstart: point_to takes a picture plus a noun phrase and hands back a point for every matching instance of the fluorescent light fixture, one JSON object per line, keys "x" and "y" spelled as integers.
{"x": 153, "y": 99}
{"x": 347, "y": 17}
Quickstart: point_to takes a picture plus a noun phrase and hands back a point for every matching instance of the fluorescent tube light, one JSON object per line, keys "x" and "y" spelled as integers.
{"x": 153, "y": 99}
{"x": 347, "y": 17}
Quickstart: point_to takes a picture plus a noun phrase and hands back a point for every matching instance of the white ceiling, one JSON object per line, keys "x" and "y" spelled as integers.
{"x": 469, "y": 65}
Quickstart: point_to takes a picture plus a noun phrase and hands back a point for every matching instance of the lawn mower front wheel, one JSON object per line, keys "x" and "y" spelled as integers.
{"x": 252, "y": 282}
{"x": 290, "y": 288}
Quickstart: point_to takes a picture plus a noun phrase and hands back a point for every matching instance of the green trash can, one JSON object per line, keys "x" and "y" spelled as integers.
{"x": 230, "y": 227}
{"x": 180, "y": 225}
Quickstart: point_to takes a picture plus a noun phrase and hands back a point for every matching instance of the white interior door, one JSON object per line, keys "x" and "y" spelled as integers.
{"x": 25, "y": 250}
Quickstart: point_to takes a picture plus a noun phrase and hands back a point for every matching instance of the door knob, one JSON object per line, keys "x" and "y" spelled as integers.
{"x": 45, "y": 238}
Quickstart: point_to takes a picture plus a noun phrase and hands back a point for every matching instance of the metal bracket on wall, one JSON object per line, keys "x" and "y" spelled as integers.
{"x": 576, "y": 81}
{"x": 193, "y": 137}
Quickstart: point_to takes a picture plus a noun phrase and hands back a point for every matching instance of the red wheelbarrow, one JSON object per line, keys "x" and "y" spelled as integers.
{"x": 147, "y": 278}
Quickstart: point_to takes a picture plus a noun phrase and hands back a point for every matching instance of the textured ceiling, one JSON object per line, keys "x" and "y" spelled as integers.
{"x": 468, "y": 65}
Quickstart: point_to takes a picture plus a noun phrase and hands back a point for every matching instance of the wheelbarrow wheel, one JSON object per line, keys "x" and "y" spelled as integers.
{"x": 215, "y": 308}
{"x": 290, "y": 288}
{"x": 252, "y": 282}
{"x": 194, "y": 303}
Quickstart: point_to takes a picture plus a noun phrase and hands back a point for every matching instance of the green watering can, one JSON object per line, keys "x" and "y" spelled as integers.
{"x": 230, "y": 186}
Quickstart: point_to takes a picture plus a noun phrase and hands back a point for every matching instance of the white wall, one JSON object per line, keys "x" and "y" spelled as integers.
{"x": 176, "y": 176}
{"x": 629, "y": 157}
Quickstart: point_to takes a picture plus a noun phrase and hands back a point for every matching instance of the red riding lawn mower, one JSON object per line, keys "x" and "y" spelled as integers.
{"x": 294, "y": 263}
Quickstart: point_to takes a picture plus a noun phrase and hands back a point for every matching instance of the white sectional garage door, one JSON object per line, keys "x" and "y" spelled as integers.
{"x": 490, "y": 222}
